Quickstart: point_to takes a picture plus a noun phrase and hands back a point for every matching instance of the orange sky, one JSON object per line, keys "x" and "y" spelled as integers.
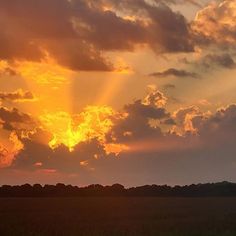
{"x": 96, "y": 90}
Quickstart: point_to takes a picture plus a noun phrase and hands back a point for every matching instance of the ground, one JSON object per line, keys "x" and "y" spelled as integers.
{"x": 118, "y": 216}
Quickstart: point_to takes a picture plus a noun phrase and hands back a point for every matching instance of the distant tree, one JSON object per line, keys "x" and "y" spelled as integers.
{"x": 225, "y": 189}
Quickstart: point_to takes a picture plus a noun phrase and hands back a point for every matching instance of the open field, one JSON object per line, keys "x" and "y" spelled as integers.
{"x": 118, "y": 216}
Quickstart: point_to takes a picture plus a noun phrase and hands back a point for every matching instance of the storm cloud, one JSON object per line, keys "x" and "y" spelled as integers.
{"x": 77, "y": 33}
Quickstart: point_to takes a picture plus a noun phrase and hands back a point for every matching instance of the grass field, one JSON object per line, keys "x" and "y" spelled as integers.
{"x": 118, "y": 216}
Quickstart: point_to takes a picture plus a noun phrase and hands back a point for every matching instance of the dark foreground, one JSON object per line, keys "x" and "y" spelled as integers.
{"x": 118, "y": 216}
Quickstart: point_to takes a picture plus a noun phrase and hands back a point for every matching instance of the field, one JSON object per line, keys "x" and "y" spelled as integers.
{"x": 118, "y": 216}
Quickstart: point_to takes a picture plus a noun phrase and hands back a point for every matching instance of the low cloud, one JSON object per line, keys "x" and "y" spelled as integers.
{"x": 220, "y": 60}
{"x": 17, "y": 96}
{"x": 162, "y": 147}
{"x": 174, "y": 72}
{"x": 14, "y": 120}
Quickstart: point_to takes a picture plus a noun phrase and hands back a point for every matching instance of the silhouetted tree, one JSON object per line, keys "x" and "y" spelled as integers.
{"x": 225, "y": 189}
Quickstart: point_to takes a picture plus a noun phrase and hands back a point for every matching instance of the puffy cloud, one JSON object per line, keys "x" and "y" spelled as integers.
{"x": 173, "y": 148}
{"x": 155, "y": 98}
{"x": 174, "y": 72}
{"x": 158, "y": 158}
{"x": 183, "y": 118}
{"x": 60, "y": 159}
{"x": 71, "y": 129}
{"x": 218, "y": 128}
{"x": 9, "y": 152}
{"x": 134, "y": 124}
{"x": 215, "y": 24}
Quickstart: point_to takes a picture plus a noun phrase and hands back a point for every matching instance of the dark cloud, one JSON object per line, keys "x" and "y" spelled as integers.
{"x": 218, "y": 128}
{"x": 13, "y": 119}
{"x": 170, "y": 158}
{"x": 37, "y": 156}
{"x": 37, "y": 25}
{"x": 169, "y": 121}
{"x": 174, "y": 72}
{"x": 136, "y": 124}
{"x": 181, "y": 2}
{"x": 223, "y": 60}
{"x": 77, "y": 32}
{"x": 168, "y": 31}
{"x": 156, "y": 156}
{"x": 18, "y": 95}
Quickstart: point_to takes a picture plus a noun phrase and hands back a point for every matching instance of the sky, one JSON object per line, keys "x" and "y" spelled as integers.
{"x": 117, "y": 91}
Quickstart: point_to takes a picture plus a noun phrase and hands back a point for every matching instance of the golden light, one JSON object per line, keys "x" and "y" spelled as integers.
{"x": 70, "y": 130}
{"x": 9, "y": 150}
{"x": 84, "y": 163}
{"x": 115, "y": 148}
{"x": 3, "y": 65}
{"x": 119, "y": 77}
{"x": 44, "y": 72}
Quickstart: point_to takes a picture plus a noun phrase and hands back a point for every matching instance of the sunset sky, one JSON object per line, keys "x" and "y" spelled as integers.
{"x": 117, "y": 91}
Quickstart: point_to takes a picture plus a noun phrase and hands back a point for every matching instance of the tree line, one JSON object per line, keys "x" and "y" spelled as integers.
{"x": 223, "y": 189}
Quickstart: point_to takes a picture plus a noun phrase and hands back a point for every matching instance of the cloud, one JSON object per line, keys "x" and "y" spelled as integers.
{"x": 219, "y": 128}
{"x": 215, "y": 24}
{"x": 213, "y": 60}
{"x": 143, "y": 143}
{"x": 181, "y": 2}
{"x": 134, "y": 122}
{"x": 174, "y": 72}
{"x": 13, "y": 119}
{"x": 17, "y": 96}
{"x": 169, "y": 121}
{"x": 77, "y": 33}
{"x": 71, "y": 129}
{"x": 184, "y": 119}
{"x": 223, "y": 60}
{"x": 167, "y": 31}
{"x": 159, "y": 158}
{"x": 10, "y": 151}
{"x": 174, "y": 149}
{"x": 155, "y": 98}
{"x": 60, "y": 159}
